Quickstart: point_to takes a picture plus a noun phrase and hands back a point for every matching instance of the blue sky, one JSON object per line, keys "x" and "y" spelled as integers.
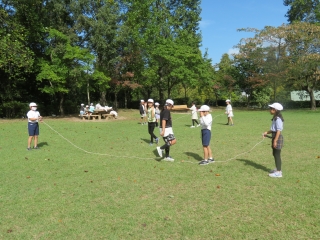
{"x": 222, "y": 18}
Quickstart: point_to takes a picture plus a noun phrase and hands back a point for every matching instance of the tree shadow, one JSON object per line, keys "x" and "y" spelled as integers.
{"x": 254, "y": 164}
{"x": 194, "y": 155}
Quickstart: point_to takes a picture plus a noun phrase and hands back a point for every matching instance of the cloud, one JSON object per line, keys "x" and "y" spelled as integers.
{"x": 232, "y": 51}
{"x": 204, "y": 23}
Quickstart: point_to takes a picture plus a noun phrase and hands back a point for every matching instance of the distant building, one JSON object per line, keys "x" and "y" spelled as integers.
{"x": 304, "y": 96}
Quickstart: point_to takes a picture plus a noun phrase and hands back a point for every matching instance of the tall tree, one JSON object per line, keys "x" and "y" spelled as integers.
{"x": 303, "y": 10}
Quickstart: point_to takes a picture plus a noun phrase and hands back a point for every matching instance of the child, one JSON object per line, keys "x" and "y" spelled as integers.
{"x": 81, "y": 110}
{"x": 277, "y": 138}
{"x": 229, "y": 112}
{"x": 33, "y": 127}
{"x": 194, "y": 115}
{"x": 91, "y": 108}
{"x": 157, "y": 111}
{"x": 151, "y": 121}
{"x": 142, "y": 110}
{"x": 166, "y": 130}
{"x": 206, "y": 122}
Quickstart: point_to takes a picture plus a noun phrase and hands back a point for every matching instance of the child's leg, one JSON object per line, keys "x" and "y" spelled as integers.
{"x": 277, "y": 158}
{"x": 35, "y": 142}
{"x": 29, "y": 141}
{"x": 209, "y": 153}
{"x": 231, "y": 120}
{"x": 205, "y": 152}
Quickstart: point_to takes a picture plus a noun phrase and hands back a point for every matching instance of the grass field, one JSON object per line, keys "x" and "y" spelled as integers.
{"x": 102, "y": 180}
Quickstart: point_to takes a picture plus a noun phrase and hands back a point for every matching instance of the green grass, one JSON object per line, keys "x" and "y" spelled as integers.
{"x": 123, "y": 192}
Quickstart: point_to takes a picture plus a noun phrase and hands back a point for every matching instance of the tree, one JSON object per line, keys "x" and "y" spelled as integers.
{"x": 303, "y": 40}
{"x": 303, "y": 10}
{"x": 66, "y": 67}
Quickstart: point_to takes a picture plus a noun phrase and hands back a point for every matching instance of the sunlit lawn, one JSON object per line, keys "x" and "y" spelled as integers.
{"x": 102, "y": 180}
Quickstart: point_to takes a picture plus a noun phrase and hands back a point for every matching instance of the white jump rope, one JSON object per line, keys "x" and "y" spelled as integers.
{"x": 110, "y": 155}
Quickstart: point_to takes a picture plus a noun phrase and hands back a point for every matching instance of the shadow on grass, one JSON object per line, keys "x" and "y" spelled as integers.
{"x": 41, "y": 144}
{"x": 254, "y": 164}
{"x": 194, "y": 155}
{"x": 157, "y": 158}
{"x": 146, "y": 140}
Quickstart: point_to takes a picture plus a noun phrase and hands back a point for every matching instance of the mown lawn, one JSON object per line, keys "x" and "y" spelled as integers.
{"x": 102, "y": 180}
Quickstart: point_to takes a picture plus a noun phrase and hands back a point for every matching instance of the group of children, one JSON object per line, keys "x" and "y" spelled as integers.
{"x": 206, "y": 122}
{"x": 164, "y": 120}
{"x": 88, "y": 110}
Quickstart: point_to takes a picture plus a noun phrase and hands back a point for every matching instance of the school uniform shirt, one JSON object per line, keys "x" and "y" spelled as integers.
{"x": 150, "y": 118}
{"x": 194, "y": 114}
{"x": 277, "y": 125}
{"x": 33, "y": 114}
{"x": 206, "y": 122}
{"x": 229, "y": 110}
{"x": 166, "y": 115}
{"x": 141, "y": 109}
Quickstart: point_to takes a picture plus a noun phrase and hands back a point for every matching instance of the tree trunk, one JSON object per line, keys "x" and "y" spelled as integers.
{"x": 312, "y": 99}
{"x": 103, "y": 98}
{"x": 61, "y": 104}
{"x": 125, "y": 99}
{"x": 88, "y": 91}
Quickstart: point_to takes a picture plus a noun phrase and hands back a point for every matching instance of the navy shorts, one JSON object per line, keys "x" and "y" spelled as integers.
{"x": 33, "y": 129}
{"x": 206, "y": 137}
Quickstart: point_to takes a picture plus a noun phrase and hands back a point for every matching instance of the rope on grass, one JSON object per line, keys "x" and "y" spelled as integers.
{"x": 110, "y": 155}
{"x": 100, "y": 154}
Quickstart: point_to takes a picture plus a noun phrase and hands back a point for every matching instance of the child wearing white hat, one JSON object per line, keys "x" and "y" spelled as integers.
{"x": 229, "y": 112}
{"x": 166, "y": 131}
{"x": 206, "y": 122}
{"x": 33, "y": 125}
{"x": 277, "y": 138}
{"x": 157, "y": 111}
{"x": 151, "y": 115}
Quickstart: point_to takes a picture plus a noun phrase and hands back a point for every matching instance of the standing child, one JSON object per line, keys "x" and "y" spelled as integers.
{"x": 229, "y": 112}
{"x": 277, "y": 138}
{"x": 33, "y": 125}
{"x": 142, "y": 110}
{"x": 206, "y": 122}
{"x": 194, "y": 115}
{"x": 166, "y": 131}
{"x": 81, "y": 109}
{"x": 152, "y": 121}
{"x": 157, "y": 110}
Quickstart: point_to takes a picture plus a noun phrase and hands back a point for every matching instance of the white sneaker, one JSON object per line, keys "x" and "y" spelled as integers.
{"x": 198, "y": 125}
{"x": 159, "y": 151}
{"x": 192, "y": 126}
{"x": 276, "y": 174}
{"x": 168, "y": 159}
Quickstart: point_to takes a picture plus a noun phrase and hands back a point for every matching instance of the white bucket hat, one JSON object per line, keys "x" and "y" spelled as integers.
{"x": 32, "y": 104}
{"x": 204, "y": 108}
{"x": 150, "y": 100}
{"x": 169, "y": 101}
{"x": 276, "y": 106}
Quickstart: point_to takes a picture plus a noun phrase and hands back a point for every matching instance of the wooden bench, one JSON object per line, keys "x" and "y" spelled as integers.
{"x": 91, "y": 116}
{"x": 108, "y": 116}
{"x": 180, "y": 108}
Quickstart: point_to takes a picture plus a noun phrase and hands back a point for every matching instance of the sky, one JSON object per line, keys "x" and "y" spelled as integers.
{"x": 222, "y": 18}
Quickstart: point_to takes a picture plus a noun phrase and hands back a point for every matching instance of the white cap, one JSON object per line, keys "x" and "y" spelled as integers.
{"x": 157, "y": 104}
{"x": 169, "y": 101}
{"x": 150, "y": 100}
{"x": 204, "y": 108}
{"x": 141, "y": 100}
{"x": 32, "y": 104}
{"x": 276, "y": 106}
{"x": 228, "y": 100}
{"x": 82, "y": 104}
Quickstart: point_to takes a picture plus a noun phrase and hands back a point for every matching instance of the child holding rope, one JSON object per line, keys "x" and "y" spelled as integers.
{"x": 206, "y": 122}
{"x": 277, "y": 138}
{"x": 33, "y": 126}
{"x": 166, "y": 131}
{"x": 229, "y": 112}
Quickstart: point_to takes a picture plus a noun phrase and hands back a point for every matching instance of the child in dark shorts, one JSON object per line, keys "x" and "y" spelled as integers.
{"x": 33, "y": 125}
{"x": 206, "y": 122}
{"x": 277, "y": 138}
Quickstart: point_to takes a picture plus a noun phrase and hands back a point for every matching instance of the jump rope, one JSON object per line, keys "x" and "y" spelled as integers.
{"x": 182, "y": 161}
